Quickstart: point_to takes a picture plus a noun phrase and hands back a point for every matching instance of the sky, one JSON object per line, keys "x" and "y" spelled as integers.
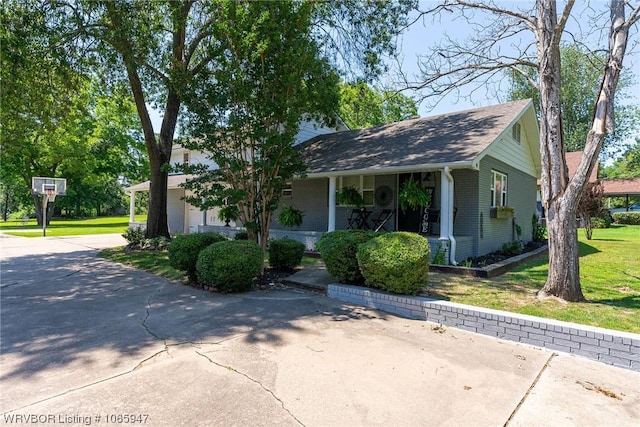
{"x": 423, "y": 35}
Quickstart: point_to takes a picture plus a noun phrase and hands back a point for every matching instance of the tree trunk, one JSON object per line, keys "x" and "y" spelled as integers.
{"x": 561, "y": 197}
{"x": 563, "y": 280}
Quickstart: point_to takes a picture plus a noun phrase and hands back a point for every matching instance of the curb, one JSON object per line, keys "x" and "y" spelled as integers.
{"x": 617, "y": 348}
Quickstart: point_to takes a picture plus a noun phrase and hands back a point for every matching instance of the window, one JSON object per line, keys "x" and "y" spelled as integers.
{"x": 365, "y": 184}
{"x": 287, "y": 190}
{"x": 515, "y": 132}
{"x": 498, "y": 189}
{"x": 185, "y": 159}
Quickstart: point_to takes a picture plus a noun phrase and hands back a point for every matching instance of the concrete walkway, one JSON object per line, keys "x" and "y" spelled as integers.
{"x": 86, "y": 341}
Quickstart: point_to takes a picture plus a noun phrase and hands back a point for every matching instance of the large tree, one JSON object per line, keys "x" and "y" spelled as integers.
{"x": 454, "y": 64}
{"x": 43, "y": 98}
{"x": 362, "y": 106}
{"x": 161, "y": 46}
{"x": 581, "y": 73}
{"x": 246, "y": 108}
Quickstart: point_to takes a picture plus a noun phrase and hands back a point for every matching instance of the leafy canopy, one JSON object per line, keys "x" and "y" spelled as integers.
{"x": 245, "y": 109}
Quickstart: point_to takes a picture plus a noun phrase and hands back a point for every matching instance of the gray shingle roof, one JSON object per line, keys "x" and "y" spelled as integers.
{"x": 453, "y": 138}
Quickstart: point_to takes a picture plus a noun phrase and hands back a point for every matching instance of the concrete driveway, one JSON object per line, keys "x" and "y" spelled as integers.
{"x": 87, "y": 342}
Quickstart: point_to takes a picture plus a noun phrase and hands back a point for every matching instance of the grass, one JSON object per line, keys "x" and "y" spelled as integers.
{"x": 70, "y": 227}
{"x": 157, "y": 262}
{"x": 609, "y": 273}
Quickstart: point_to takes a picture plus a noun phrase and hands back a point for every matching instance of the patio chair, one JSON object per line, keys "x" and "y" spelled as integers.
{"x": 379, "y": 222}
{"x": 354, "y": 219}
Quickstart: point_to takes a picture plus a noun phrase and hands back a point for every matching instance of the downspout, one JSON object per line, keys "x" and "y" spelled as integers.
{"x": 449, "y": 210}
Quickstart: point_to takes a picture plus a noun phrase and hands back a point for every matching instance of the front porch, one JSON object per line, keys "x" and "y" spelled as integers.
{"x": 464, "y": 244}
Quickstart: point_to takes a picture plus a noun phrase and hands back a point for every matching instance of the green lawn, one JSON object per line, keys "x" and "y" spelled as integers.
{"x": 610, "y": 277}
{"x": 70, "y": 227}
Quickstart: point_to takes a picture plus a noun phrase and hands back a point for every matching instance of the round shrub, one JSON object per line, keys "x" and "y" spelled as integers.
{"x": 396, "y": 262}
{"x": 285, "y": 254}
{"x": 185, "y": 248}
{"x": 338, "y": 250}
{"x": 629, "y": 218}
{"x": 230, "y": 266}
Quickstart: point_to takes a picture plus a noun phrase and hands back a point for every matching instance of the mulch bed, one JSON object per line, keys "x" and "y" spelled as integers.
{"x": 498, "y": 256}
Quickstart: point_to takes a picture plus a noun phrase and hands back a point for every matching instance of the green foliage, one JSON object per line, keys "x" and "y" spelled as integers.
{"x": 338, "y": 250}
{"x": 601, "y": 222}
{"x": 512, "y": 248}
{"x": 134, "y": 235}
{"x": 362, "y": 106}
{"x": 241, "y": 235}
{"x": 539, "y": 231}
{"x": 581, "y": 71}
{"x": 629, "y": 218}
{"x": 184, "y": 250}
{"x": 230, "y": 266}
{"x": 349, "y": 196}
{"x": 290, "y": 216}
{"x": 397, "y": 262}
{"x": 269, "y": 76}
{"x": 229, "y": 213}
{"x": 440, "y": 255}
{"x": 138, "y": 240}
{"x": 413, "y": 195}
{"x": 626, "y": 166}
{"x": 285, "y": 254}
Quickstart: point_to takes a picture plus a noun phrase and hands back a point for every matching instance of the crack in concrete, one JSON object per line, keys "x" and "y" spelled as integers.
{"x": 232, "y": 369}
{"x": 530, "y": 389}
{"x": 144, "y": 321}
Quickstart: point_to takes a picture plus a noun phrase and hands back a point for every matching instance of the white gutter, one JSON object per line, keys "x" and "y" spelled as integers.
{"x": 394, "y": 169}
{"x": 449, "y": 211}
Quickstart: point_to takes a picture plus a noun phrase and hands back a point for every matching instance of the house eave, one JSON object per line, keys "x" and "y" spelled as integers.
{"x": 397, "y": 169}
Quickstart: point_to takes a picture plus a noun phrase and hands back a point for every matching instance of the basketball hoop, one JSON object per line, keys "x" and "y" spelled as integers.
{"x": 50, "y": 195}
{"x": 48, "y": 188}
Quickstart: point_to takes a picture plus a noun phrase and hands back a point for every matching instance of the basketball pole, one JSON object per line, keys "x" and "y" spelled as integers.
{"x": 45, "y": 198}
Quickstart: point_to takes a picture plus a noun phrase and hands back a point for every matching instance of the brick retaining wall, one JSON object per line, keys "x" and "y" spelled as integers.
{"x": 616, "y": 348}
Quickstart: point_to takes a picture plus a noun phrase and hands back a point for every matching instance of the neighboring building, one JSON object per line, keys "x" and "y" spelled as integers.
{"x": 475, "y": 162}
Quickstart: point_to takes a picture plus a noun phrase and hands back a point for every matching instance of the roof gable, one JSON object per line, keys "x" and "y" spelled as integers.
{"x": 456, "y": 139}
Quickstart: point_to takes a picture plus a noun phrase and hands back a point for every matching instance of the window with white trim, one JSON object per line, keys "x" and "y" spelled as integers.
{"x": 498, "y": 189}
{"x": 365, "y": 184}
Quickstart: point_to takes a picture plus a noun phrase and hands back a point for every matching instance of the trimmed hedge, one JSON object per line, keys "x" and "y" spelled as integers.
{"x": 629, "y": 218}
{"x": 338, "y": 250}
{"x": 396, "y": 262}
{"x": 285, "y": 254}
{"x": 185, "y": 248}
{"x": 230, "y": 266}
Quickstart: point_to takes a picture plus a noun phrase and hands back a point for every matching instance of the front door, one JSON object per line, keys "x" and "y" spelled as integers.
{"x": 411, "y": 219}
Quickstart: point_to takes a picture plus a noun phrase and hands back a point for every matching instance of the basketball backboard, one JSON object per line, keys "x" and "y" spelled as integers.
{"x": 48, "y": 186}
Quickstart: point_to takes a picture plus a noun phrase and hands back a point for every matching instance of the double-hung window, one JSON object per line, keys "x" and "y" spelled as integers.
{"x": 498, "y": 189}
{"x": 363, "y": 183}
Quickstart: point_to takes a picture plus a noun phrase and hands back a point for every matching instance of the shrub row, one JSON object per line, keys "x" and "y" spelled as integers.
{"x": 629, "y": 218}
{"x": 185, "y": 248}
{"x": 229, "y": 265}
{"x": 396, "y": 262}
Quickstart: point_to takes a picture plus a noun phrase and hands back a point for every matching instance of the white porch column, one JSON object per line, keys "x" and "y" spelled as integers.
{"x": 444, "y": 206}
{"x": 132, "y": 206}
{"x": 332, "y": 204}
{"x": 446, "y": 213}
